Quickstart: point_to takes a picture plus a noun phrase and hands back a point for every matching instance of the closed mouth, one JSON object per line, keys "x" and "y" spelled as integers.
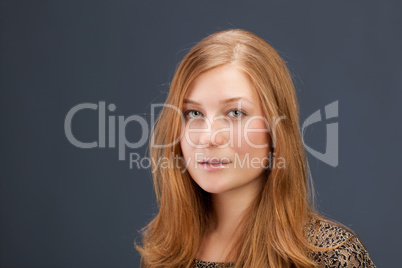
{"x": 214, "y": 163}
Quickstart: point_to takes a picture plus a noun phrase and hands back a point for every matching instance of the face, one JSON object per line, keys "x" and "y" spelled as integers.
{"x": 224, "y": 141}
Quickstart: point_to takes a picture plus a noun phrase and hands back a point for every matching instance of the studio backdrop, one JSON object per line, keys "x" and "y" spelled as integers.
{"x": 82, "y": 83}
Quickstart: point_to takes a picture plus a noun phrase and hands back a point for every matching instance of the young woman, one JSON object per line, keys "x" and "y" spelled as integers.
{"x": 240, "y": 197}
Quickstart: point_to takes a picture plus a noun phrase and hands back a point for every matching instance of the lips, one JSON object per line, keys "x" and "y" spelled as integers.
{"x": 214, "y": 165}
{"x": 214, "y": 161}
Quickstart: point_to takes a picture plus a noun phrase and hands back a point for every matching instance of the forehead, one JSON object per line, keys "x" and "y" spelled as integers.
{"x": 221, "y": 83}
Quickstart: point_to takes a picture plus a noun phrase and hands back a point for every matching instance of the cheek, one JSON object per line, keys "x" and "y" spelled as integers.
{"x": 184, "y": 147}
{"x": 189, "y": 138}
{"x": 187, "y": 149}
{"x": 254, "y": 137}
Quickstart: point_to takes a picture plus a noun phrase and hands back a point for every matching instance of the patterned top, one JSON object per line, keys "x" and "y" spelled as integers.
{"x": 345, "y": 249}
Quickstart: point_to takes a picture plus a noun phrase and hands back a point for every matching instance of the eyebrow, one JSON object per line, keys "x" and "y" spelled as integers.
{"x": 221, "y": 102}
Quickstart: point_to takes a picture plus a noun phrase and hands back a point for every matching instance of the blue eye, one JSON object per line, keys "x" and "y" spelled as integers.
{"x": 192, "y": 113}
{"x": 237, "y": 113}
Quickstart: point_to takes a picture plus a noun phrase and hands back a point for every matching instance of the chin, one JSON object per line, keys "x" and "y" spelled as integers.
{"x": 213, "y": 188}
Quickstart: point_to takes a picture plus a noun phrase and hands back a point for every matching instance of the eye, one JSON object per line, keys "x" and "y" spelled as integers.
{"x": 192, "y": 113}
{"x": 237, "y": 113}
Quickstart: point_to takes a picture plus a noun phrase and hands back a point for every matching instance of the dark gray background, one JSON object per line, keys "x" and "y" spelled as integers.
{"x": 62, "y": 206}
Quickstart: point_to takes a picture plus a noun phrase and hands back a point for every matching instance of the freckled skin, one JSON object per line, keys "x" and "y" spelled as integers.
{"x": 231, "y": 136}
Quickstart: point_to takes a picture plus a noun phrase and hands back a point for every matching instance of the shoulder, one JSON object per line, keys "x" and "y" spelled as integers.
{"x": 337, "y": 246}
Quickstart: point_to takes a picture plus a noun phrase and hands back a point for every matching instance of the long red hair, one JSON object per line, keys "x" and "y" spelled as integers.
{"x": 273, "y": 230}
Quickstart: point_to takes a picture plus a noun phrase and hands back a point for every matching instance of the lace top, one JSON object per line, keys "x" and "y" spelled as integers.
{"x": 344, "y": 249}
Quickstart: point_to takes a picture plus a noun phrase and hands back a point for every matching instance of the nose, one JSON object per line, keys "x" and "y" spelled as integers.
{"x": 215, "y": 135}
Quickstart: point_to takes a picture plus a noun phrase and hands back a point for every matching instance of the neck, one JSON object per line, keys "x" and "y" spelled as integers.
{"x": 229, "y": 208}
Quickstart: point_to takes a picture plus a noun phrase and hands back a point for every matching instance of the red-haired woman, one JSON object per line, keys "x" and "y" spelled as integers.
{"x": 240, "y": 197}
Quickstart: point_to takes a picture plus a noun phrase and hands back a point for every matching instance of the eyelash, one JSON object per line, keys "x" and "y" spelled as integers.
{"x": 243, "y": 113}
